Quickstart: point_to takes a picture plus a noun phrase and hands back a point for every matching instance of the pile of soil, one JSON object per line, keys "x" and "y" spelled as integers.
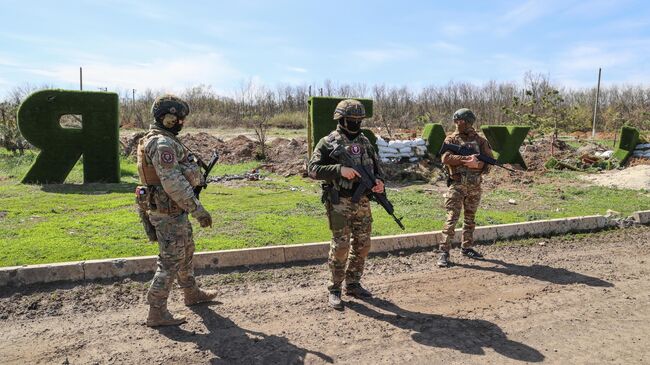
{"x": 424, "y": 170}
{"x": 536, "y": 154}
{"x": 287, "y": 156}
{"x": 283, "y": 156}
{"x": 636, "y": 161}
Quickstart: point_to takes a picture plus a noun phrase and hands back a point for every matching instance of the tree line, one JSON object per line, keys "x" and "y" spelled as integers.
{"x": 536, "y": 101}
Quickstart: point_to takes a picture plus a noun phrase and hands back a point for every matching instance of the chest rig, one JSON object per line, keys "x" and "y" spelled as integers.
{"x": 187, "y": 163}
{"x": 462, "y": 173}
{"x": 358, "y": 152}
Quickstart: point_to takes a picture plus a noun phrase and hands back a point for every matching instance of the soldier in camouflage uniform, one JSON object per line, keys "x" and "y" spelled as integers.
{"x": 168, "y": 173}
{"x": 346, "y": 218}
{"x": 465, "y": 185}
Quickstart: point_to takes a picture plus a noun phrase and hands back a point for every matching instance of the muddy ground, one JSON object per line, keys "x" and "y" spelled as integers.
{"x": 564, "y": 300}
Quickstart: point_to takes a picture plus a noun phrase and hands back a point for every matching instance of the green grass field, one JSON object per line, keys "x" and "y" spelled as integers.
{"x": 55, "y": 223}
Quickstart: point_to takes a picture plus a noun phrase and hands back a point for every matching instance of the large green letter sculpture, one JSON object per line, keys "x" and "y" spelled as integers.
{"x": 321, "y": 122}
{"x": 434, "y": 135}
{"x": 626, "y": 144}
{"x": 39, "y": 122}
{"x": 505, "y": 142}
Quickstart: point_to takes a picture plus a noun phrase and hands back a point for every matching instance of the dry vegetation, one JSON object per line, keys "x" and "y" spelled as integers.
{"x": 535, "y": 101}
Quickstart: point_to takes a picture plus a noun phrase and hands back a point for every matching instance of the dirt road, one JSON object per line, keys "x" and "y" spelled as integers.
{"x": 573, "y": 300}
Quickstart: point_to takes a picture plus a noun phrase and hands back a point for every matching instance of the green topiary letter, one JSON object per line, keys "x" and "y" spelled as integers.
{"x": 434, "y": 135}
{"x": 321, "y": 122}
{"x": 39, "y": 122}
{"x": 627, "y": 143}
{"x": 505, "y": 142}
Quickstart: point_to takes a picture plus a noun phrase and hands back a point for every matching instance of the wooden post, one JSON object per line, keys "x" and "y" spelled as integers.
{"x": 593, "y": 131}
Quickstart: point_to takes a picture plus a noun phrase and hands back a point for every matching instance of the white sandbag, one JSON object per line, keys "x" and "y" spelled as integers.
{"x": 381, "y": 142}
{"x": 605, "y": 154}
{"x": 642, "y": 146}
{"x": 385, "y": 149}
{"x": 414, "y": 159}
{"x": 419, "y": 142}
{"x": 420, "y": 150}
{"x": 388, "y": 155}
{"x": 405, "y": 150}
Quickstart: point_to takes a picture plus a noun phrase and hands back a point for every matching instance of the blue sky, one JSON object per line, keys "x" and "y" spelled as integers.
{"x": 172, "y": 45}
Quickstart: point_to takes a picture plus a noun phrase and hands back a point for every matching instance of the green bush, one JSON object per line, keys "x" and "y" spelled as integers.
{"x": 290, "y": 120}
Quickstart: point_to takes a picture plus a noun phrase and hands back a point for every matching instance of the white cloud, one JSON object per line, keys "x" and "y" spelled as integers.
{"x": 382, "y": 55}
{"x": 170, "y": 74}
{"x": 453, "y": 30}
{"x": 526, "y": 13}
{"x": 586, "y": 57}
{"x": 447, "y": 47}
{"x": 297, "y": 69}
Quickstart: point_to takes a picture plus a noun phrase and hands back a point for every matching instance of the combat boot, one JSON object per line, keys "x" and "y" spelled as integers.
{"x": 194, "y": 295}
{"x": 162, "y": 317}
{"x": 334, "y": 300}
{"x": 471, "y": 253}
{"x": 357, "y": 291}
{"x": 443, "y": 259}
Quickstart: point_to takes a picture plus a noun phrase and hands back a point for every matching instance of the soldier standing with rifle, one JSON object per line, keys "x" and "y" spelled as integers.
{"x": 347, "y": 218}
{"x": 170, "y": 176}
{"x": 464, "y": 184}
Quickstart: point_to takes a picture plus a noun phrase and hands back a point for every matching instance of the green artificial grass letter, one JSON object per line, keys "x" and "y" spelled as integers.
{"x": 505, "y": 142}
{"x": 97, "y": 139}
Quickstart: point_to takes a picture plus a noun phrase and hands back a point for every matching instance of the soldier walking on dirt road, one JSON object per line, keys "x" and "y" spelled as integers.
{"x": 347, "y": 219}
{"x": 168, "y": 174}
{"x": 464, "y": 183}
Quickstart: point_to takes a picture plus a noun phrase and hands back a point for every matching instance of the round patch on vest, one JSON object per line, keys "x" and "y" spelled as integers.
{"x": 167, "y": 157}
{"x": 355, "y": 149}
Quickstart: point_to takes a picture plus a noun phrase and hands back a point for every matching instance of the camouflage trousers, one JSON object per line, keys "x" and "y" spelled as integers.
{"x": 346, "y": 259}
{"x": 176, "y": 248}
{"x": 466, "y": 197}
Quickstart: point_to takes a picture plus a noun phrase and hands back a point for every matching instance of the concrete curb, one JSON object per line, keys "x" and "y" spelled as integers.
{"x": 642, "y": 217}
{"x": 285, "y": 254}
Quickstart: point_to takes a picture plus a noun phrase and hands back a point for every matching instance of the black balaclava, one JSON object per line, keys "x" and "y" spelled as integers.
{"x": 351, "y": 127}
{"x": 174, "y": 129}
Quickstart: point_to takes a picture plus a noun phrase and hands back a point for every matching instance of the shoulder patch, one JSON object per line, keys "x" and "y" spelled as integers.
{"x": 167, "y": 156}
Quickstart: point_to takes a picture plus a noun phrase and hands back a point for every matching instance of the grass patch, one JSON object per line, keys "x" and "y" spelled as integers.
{"x": 72, "y": 221}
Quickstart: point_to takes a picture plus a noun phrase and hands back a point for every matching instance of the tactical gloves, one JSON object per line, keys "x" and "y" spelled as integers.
{"x": 202, "y": 215}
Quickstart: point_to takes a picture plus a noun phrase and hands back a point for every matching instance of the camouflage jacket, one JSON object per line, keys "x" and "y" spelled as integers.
{"x": 170, "y": 169}
{"x": 323, "y": 166}
{"x": 455, "y": 162}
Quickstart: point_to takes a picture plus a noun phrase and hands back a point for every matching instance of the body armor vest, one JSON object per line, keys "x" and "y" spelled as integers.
{"x": 146, "y": 171}
{"x": 462, "y": 173}
{"x": 187, "y": 163}
{"x": 358, "y": 152}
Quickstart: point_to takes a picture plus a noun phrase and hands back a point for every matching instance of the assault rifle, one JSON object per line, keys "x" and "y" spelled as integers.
{"x": 366, "y": 183}
{"x": 206, "y": 171}
{"x": 467, "y": 151}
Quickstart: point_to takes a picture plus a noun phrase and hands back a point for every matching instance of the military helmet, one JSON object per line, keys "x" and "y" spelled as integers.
{"x": 349, "y": 108}
{"x": 167, "y": 109}
{"x": 464, "y": 114}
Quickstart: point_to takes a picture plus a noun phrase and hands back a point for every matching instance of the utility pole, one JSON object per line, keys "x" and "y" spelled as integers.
{"x": 593, "y": 131}
{"x": 81, "y": 83}
{"x": 133, "y": 99}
